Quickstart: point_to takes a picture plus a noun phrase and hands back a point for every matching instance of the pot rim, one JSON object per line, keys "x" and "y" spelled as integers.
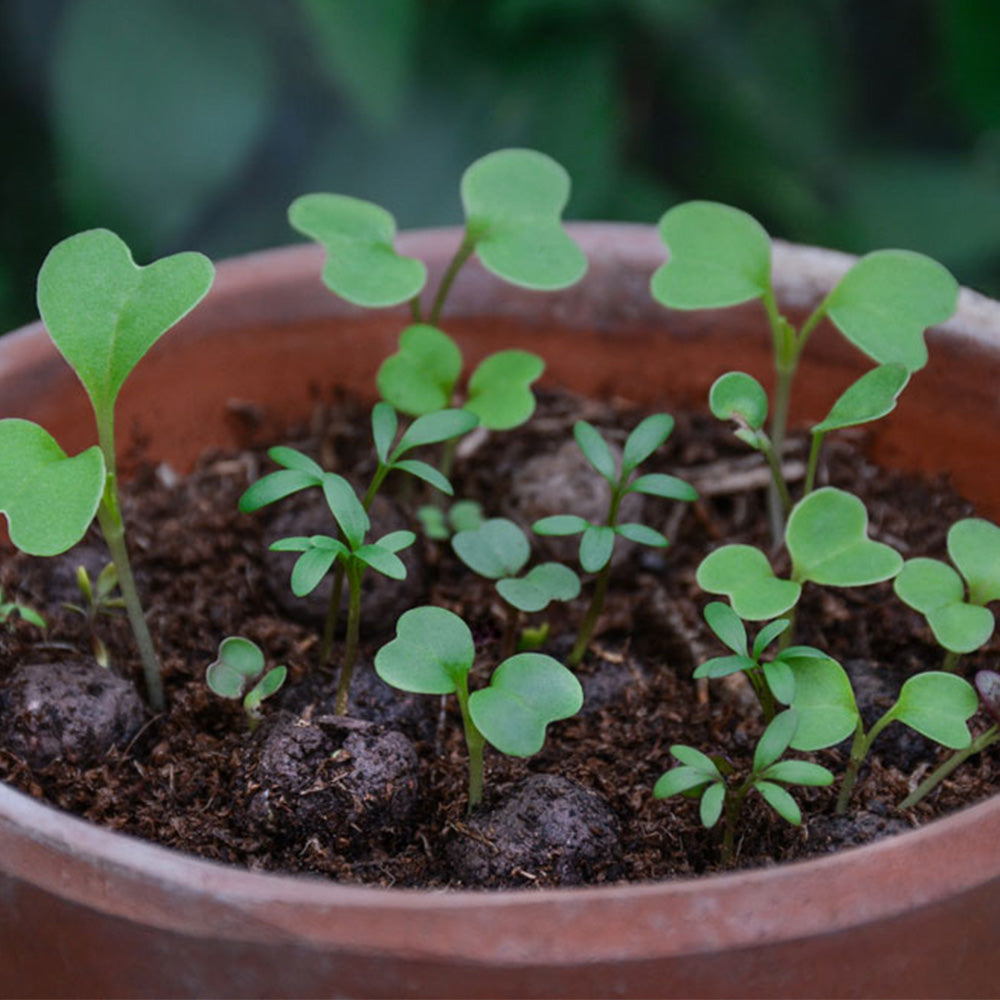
{"x": 123, "y": 875}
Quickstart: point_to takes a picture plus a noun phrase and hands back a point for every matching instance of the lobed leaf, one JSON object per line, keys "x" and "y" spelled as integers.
{"x": 431, "y": 654}
{"x": 937, "y": 705}
{"x": 648, "y": 435}
{"x": 420, "y": 377}
{"x": 744, "y": 575}
{"x": 513, "y": 202}
{"x": 362, "y": 265}
{"x": 872, "y": 396}
{"x": 500, "y": 389}
{"x": 542, "y": 585}
{"x": 268, "y": 685}
{"x": 238, "y": 661}
{"x": 886, "y": 301}
{"x": 738, "y": 396}
{"x": 719, "y": 256}
{"x": 974, "y": 547}
{"x": 526, "y": 693}
{"x": 49, "y": 499}
{"x": 497, "y": 548}
{"x": 827, "y": 539}
{"x": 104, "y": 312}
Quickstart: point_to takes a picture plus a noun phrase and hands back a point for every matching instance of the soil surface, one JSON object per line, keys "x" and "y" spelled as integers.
{"x": 380, "y": 797}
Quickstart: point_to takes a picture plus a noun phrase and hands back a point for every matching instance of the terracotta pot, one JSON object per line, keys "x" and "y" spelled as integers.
{"x": 87, "y": 912}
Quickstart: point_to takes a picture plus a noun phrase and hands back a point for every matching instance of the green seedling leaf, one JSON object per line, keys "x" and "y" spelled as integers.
{"x": 49, "y": 498}
{"x": 823, "y": 701}
{"x": 988, "y": 685}
{"x": 299, "y": 472}
{"x": 740, "y": 397}
{"x": 319, "y": 553}
{"x": 433, "y": 428}
{"x": 642, "y": 535}
{"x": 433, "y": 522}
{"x": 560, "y": 524}
{"x": 696, "y": 759}
{"x": 645, "y": 439}
{"x": 383, "y": 558}
{"x": 540, "y": 586}
{"x": 719, "y": 256}
{"x": 767, "y": 635}
{"x": 465, "y": 515}
{"x": 497, "y": 548}
{"x": 104, "y": 312}
{"x": 872, "y": 396}
{"x": 780, "y": 680}
{"x": 431, "y": 654}
{"x": 500, "y": 389}
{"x": 712, "y": 801}
{"x": 513, "y": 202}
{"x": 658, "y": 484}
{"x": 799, "y": 772}
{"x": 935, "y": 590}
{"x": 420, "y": 377}
{"x": 268, "y": 685}
{"x": 384, "y": 426}
{"x": 427, "y": 473}
{"x": 974, "y": 547}
{"x": 723, "y": 666}
{"x": 775, "y": 739}
{"x": 887, "y": 300}
{"x": 596, "y": 546}
{"x": 780, "y": 801}
{"x": 526, "y": 693}
{"x": 595, "y": 450}
{"x": 678, "y": 780}
{"x": 726, "y": 624}
{"x": 937, "y": 705}
{"x": 828, "y": 542}
{"x": 744, "y": 575}
{"x": 346, "y": 508}
{"x": 238, "y": 662}
{"x": 362, "y": 265}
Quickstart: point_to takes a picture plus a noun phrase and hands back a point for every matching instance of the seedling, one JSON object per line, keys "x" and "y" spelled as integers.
{"x": 103, "y": 313}
{"x": 299, "y": 472}
{"x": 598, "y": 540}
{"x": 98, "y": 600}
{"x": 499, "y": 550}
{"x": 827, "y": 539}
{"x": 987, "y": 684}
{"x": 240, "y": 664}
{"x": 513, "y": 201}
{"x": 433, "y": 653}
{"x": 440, "y": 525}
{"x": 937, "y": 705}
{"x": 720, "y": 256}
{"x": 717, "y": 784}
{"x": 321, "y": 552}
{"x": 10, "y": 608}
{"x": 938, "y": 592}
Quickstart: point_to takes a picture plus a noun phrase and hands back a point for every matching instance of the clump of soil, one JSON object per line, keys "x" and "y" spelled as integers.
{"x": 380, "y": 798}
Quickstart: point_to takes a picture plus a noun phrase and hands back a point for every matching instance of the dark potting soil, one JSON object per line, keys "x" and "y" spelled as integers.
{"x": 380, "y": 797}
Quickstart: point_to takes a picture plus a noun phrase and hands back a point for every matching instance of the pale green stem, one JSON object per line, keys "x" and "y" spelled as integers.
{"x": 590, "y": 619}
{"x": 112, "y": 526}
{"x": 475, "y": 742}
{"x": 732, "y": 810}
{"x": 950, "y": 662}
{"x": 462, "y": 254}
{"x": 351, "y": 647}
{"x": 777, "y": 476}
{"x": 764, "y": 694}
{"x": 941, "y": 772}
{"x": 814, "y": 450}
{"x": 859, "y": 750}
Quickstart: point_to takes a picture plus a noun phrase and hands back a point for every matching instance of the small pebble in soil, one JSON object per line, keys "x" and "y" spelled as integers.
{"x": 549, "y": 831}
{"x": 383, "y": 600}
{"x": 75, "y": 710}
{"x": 349, "y": 784}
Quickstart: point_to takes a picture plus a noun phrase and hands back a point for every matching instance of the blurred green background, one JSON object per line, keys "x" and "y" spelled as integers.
{"x": 191, "y": 124}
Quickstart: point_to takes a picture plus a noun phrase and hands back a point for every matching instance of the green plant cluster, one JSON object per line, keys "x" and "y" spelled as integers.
{"x": 104, "y": 312}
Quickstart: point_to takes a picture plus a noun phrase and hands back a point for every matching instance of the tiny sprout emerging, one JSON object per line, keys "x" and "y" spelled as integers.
{"x": 715, "y": 782}
{"x": 10, "y": 608}
{"x": 433, "y": 653}
{"x": 98, "y": 599}
{"x": 498, "y": 550}
{"x": 440, "y": 525}
{"x": 241, "y": 663}
{"x": 598, "y": 540}
{"x": 933, "y": 588}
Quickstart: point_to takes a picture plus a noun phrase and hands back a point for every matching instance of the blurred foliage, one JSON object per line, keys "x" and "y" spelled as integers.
{"x": 193, "y": 123}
